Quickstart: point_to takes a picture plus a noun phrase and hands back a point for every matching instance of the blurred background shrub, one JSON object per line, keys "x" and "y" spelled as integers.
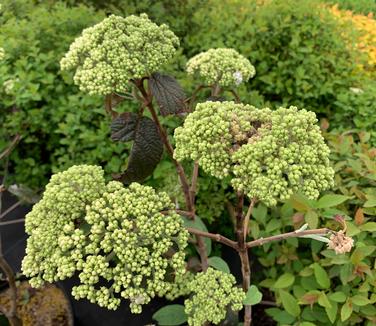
{"x": 304, "y": 55}
{"x": 312, "y": 54}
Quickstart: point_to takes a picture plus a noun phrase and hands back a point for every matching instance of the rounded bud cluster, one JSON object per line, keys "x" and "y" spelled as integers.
{"x": 2, "y": 53}
{"x": 211, "y": 131}
{"x": 109, "y": 54}
{"x": 269, "y": 154}
{"x": 288, "y": 156}
{"x": 222, "y": 66}
{"x": 132, "y": 244}
{"x": 52, "y": 223}
{"x": 118, "y": 239}
{"x": 213, "y": 292}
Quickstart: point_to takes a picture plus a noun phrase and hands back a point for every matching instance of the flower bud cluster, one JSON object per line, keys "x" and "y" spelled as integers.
{"x": 225, "y": 67}
{"x": 289, "y": 156}
{"x": 109, "y": 54}
{"x": 269, "y": 154}
{"x": 51, "y": 254}
{"x": 117, "y": 239}
{"x": 2, "y": 53}
{"x": 213, "y": 292}
{"x": 211, "y": 131}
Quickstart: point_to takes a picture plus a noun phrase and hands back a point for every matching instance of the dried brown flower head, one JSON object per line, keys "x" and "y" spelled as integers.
{"x": 340, "y": 243}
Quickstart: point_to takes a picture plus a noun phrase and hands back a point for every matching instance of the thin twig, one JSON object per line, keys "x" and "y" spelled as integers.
{"x": 108, "y": 106}
{"x": 180, "y": 212}
{"x": 216, "y": 237}
{"x": 237, "y": 98}
{"x": 247, "y": 217}
{"x": 20, "y": 220}
{"x": 193, "y": 188}
{"x": 5, "y": 267}
{"x": 11, "y": 146}
{"x": 192, "y": 98}
{"x": 293, "y": 234}
{"x": 11, "y": 208}
{"x": 268, "y": 303}
{"x": 12, "y": 314}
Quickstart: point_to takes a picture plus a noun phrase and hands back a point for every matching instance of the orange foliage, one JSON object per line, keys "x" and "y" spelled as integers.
{"x": 366, "y": 26}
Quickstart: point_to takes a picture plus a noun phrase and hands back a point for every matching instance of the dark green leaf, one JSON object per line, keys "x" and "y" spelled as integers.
{"x": 219, "y": 263}
{"x": 123, "y": 127}
{"x": 171, "y": 315}
{"x": 146, "y": 152}
{"x": 168, "y": 94}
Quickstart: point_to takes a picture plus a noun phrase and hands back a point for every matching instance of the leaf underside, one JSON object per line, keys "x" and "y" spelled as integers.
{"x": 123, "y": 127}
{"x": 168, "y": 94}
{"x": 145, "y": 154}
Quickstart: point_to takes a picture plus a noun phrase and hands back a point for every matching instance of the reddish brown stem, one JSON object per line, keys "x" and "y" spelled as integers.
{"x": 236, "y": 96}
{"x": 216, "y": 237}
{"x": 183, "y": 179}
{"x": 108, "y": 106}
{"x": 12, "y": 314}
{"x": 193, "y": 188}
{"x": 247, "y": 217}
{"x": 243, "y": 254}
{"x": 293, "y": 234}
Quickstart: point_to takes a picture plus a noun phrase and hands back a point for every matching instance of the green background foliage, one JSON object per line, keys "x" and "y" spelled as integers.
{"x": 300, "y": 59}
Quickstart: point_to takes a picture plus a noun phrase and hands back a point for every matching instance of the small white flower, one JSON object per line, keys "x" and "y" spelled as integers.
{"x": 356, "y": 90}
{"x": 238, "y": 78}
{"x": 2, "y": 54}
{"x": 8, "y": 86}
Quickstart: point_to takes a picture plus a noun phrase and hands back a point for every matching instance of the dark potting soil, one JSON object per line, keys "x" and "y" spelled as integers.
{"x": 88, "y": 314}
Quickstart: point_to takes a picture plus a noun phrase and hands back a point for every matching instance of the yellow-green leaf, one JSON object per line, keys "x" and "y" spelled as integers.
{"x": 360, "y": 300}
{"x": 312, "y": 219}
{"x": 284, "y": 281}
{"x": 321, "y": 276}
{"x": 332, "y": 311}
{"x": 289, "y": 303}
{"x": 346, "y": 310}
{"x": 331, "y": 201}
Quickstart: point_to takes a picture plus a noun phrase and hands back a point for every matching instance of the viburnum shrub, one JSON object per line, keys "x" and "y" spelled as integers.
{"x": 124, "y": 239}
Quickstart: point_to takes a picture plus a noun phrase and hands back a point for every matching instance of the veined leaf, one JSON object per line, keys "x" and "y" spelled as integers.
{"x": 168, "y": 94}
